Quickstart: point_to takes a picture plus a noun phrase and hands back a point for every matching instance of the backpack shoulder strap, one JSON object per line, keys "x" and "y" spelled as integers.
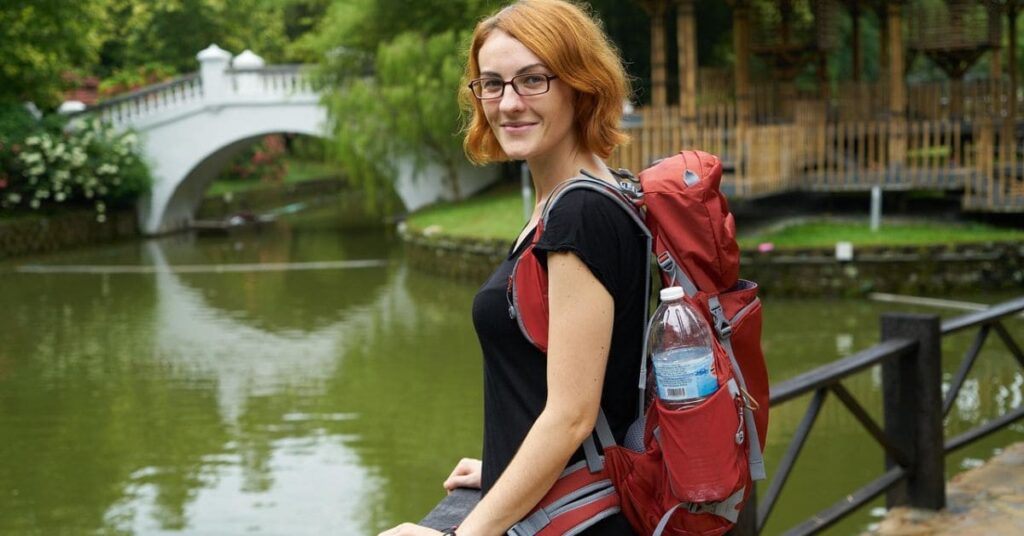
{"x": 589, "y": 182}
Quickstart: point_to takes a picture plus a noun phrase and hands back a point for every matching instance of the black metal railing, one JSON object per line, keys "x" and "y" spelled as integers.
{"x": 913, "y": 408}
{"x": 912, "y": 434}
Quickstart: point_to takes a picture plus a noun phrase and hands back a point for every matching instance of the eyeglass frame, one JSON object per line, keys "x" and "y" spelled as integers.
{"x": 510, "y": 82}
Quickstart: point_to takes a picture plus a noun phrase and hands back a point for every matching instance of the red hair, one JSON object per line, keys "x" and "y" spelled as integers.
{"x": 573, "y": 46}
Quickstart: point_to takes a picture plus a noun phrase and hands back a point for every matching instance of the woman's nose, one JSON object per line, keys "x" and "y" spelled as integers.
{"x": 511, "y": 101}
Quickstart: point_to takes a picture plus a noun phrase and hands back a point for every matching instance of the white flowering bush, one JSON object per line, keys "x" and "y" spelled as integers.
{"x": 90, "y": 166}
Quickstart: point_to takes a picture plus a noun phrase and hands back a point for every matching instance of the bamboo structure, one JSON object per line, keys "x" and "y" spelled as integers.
{"x": 956, "y": 135}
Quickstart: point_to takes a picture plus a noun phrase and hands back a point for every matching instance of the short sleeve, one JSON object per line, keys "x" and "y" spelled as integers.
{"x": 600, "y": 233}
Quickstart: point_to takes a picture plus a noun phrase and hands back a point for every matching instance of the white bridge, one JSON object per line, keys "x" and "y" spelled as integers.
{"x": 192, "y": 126}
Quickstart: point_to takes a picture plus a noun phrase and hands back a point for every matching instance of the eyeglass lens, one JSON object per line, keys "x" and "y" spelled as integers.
{"x": 524, "y": 84}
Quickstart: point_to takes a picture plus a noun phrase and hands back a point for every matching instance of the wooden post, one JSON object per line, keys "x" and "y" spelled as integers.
{"x": 659, "y": 91}
{"x": 855, "y": 15}
{"x": 995, "y": 75}
{"x": 897, "y": 86}
{"x": 1012, "y": 10}
{"x": 741, "y": 44}
{"x": 912, "y": 408}
{"x": 883, "y": 48}
{"x": 686, "y": 39}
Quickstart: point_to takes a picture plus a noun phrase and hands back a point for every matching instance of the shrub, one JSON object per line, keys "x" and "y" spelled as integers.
{"x": 263, "y": 161}
{"x": 132, "y": 78}
{"x": 92, "y": 165}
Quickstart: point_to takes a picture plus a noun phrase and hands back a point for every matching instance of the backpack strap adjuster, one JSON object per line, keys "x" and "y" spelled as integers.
{"x": 722, "y": 325}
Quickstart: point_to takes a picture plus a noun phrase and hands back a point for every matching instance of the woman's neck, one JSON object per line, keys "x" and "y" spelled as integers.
{"x": 549, "y": 172}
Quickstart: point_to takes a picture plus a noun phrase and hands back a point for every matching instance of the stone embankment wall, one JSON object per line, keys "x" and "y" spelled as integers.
{"x": 37, "y": 234}
{"x": 927, "y": 270}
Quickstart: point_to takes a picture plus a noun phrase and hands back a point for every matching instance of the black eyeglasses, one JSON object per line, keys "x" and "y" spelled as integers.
{"x": 525, "y": 85}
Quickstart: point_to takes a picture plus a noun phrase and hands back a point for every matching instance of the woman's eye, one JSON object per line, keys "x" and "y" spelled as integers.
{"x": 533, "y": 80}
{"x": 492, "y": 84}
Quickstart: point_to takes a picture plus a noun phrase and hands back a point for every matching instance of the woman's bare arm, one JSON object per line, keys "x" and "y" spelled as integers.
{"x": 579, "y": 339}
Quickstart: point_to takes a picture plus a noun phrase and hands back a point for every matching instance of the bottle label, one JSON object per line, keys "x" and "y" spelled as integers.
{"x": 684, "y": 374}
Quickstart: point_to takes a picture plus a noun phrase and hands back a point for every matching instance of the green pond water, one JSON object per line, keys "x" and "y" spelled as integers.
{"x": 269, "y": 384}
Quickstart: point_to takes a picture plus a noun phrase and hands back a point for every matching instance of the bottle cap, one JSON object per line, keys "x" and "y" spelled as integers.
{"x": 672, "y": 293}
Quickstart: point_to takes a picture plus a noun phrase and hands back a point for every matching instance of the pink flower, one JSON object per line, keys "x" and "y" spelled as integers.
{"x": 765, "y": 247}
{"x": 3, "y": 183}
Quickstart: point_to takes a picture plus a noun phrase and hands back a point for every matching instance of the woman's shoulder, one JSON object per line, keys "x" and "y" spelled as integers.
{"x": 583, "y": 201}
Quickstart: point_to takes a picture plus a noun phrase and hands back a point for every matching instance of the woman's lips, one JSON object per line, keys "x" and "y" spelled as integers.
{"x": 516, "y": 127}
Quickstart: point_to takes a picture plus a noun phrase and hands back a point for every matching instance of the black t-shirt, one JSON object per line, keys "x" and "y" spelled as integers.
{"x": 612, "y": 246}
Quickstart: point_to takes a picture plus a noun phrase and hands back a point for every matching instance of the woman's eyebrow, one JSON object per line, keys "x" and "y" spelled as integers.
{"x": 520, "y": 71}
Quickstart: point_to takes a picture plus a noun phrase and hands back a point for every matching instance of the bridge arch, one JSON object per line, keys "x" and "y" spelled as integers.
{"x": 192, "y": 126}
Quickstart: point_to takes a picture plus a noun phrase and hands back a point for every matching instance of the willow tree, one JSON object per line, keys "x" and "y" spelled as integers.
{"x": 406, "y": 110}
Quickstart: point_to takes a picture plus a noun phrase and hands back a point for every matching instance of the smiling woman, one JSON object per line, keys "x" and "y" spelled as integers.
{"x": 541, "y": 403}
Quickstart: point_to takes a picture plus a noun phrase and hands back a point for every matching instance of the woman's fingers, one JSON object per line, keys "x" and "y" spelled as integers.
{"x": 465, "y": 475}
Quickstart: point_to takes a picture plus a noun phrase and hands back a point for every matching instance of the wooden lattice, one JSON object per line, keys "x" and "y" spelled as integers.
{"x": 953, "y": 34}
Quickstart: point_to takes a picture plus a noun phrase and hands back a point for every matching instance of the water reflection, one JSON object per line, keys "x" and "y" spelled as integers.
{"x": 324, "y": 401}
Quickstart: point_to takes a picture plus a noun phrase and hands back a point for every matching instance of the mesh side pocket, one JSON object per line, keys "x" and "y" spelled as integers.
{"x": 703, "y": 448}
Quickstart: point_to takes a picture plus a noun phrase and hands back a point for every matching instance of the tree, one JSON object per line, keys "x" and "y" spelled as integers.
{"x": 407, "y": 109}
{"x": 42, "y": 39}
{"x": 393, "y": 69}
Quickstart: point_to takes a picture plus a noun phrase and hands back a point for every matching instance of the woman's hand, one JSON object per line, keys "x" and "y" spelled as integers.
{"x": 409, "y": 529}
{"x": 465, "y": 475}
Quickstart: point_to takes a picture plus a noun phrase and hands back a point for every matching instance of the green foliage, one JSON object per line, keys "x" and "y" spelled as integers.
{"x": 407, "y": 110}
{"x": 16, "y": 123}
{"x": 407, "y": 107}
{"x": 172, "y": 32}
{"x": 129, "y": 79}
{"x": 42, "y": 39}
{"x": 92, "y": 165}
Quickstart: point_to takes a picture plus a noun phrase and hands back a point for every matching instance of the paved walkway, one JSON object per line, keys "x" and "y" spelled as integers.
{"x": 988, "y": 500}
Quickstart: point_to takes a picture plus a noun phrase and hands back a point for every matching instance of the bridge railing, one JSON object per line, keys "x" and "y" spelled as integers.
{"x": 147, "y": 100}
{"x": 914, "y": 407}
{"x": 271, "y": 80}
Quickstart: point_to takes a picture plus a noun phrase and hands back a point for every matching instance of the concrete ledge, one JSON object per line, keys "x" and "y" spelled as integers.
{"x": 917, "y": 270}
{"x": 985, "y": 500}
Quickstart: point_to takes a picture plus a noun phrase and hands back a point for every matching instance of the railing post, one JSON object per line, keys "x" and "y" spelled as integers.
{"x": 213, "y": 60}
{"x": 912, "y": 405}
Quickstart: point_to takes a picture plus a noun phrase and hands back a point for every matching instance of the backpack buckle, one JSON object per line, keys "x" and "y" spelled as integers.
{"x": 666, "y": 262}
{"x": 722, "y": 325}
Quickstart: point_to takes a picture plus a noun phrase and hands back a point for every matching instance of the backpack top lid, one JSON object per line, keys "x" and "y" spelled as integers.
{"x": 690, "y": 218}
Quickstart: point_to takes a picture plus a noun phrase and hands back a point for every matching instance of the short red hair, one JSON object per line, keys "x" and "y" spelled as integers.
{"x": 572, "y": 44}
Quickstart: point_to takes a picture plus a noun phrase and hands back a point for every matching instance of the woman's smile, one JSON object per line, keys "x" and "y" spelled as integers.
{"x": 517, "y": 127}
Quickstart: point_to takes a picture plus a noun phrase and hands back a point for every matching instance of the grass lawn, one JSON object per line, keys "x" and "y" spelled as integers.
{"x": 826, "y": 233}
{"x": 298, "y": 171}
{"x": 499, "y": 214}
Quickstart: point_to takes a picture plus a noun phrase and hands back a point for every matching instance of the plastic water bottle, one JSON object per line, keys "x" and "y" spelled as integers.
{"x": 680, "y": 346}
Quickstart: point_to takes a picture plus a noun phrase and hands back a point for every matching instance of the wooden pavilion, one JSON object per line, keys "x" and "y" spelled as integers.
{"x": 959, "y": 135}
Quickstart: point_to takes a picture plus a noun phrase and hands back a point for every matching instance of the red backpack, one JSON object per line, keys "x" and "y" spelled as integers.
{"x": 680, "y": 472}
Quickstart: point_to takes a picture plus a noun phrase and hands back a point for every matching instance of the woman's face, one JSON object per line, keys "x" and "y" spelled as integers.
{"x": 536, "y": 126}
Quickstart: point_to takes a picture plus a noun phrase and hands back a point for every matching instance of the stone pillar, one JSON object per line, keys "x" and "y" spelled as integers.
{"x": 659, "y": 90}
{"x": 213, "y": 60}
{"x": 686, "y": 38}
{"x": 248, "y": 80}
{"x": 741, "y": 45}
{"x": 897, "y": 84}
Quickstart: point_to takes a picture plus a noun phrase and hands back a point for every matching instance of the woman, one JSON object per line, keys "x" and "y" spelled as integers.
{"x": 546, "y": 86}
